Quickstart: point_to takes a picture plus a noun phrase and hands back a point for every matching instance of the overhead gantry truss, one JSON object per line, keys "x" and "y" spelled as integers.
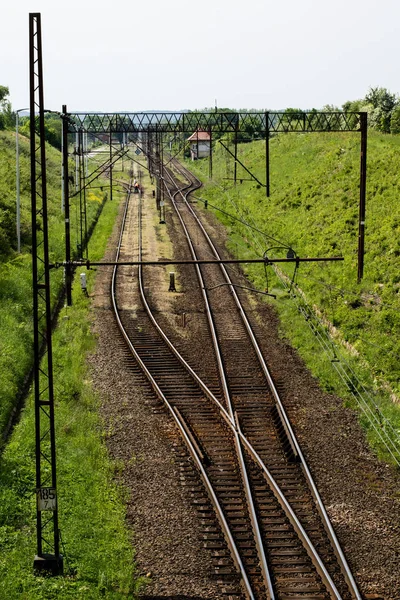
{"x": 217, "y": 122}
{"x": 242, "y": 124}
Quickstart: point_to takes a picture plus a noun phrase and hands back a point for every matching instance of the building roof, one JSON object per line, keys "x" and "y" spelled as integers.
{"x": 199, "y": 135}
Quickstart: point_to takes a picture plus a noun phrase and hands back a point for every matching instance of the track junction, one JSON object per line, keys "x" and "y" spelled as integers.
{"x": 262, "y": 516}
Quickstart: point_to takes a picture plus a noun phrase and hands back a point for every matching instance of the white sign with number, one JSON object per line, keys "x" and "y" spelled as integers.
{"x": 46, "y": 499}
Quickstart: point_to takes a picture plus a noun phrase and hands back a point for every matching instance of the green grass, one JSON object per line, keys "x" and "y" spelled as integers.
{"x": 15, "y": 269}
{"x": 91, "y": 506}
{"x": 313, "y": 208}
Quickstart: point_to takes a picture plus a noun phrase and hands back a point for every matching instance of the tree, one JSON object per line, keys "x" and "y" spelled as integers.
{"x": 7, "y": 117}
{"x": 330, "y": 108}
{"x": 381, "y": 97}
{"x": 4, "y": 92}
{"x": 395, "y": 120}
{"x": 383, "y": 103}
{"x": 52, "y": 129}
{"x": 291, "y": 119}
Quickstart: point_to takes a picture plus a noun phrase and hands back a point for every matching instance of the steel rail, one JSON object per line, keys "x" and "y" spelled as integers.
{"x": 245, "y": 480}
{"x": 253, "y": 515}
{"x": 319, "y": 504}
{"x": 272, "y": 483}
{"x": 311, "y": 551}
{"x": 176, "y": 416}
{"x": 270, "y": 480}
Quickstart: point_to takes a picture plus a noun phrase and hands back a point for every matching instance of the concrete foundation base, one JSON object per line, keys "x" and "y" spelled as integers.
{"x": 49, "y": 563}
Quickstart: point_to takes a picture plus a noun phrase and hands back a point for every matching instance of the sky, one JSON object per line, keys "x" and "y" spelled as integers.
{"x": 182, "y": 54}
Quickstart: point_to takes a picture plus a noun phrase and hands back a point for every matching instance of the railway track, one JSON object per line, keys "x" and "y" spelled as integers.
{"x": 262, "y": 517}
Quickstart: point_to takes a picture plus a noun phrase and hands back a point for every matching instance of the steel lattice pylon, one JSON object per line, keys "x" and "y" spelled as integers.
{"x": 48, "y": 556}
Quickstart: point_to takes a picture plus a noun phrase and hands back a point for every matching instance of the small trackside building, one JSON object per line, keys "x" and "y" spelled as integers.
{"x": 200, "y": 142}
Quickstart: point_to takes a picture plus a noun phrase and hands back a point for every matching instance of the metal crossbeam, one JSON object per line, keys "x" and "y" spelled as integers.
{"x": 252, "y": 123}
{"x": 211, "y": 261}
{"x": 48, "y": 556}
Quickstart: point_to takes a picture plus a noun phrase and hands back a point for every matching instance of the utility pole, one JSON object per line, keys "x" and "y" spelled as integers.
{"x": 79, "y": 155}
{"x": 157, "y": 169}
{"x": 363, "y": 190}
{"x": 48, "y": 557}
{"x": 76, "y": 163}
{"x": 110, "y": 172}
{"x": 62, "y": 164}
{"x": 82, "y": 193}
{"x": 162, "y": 200}
{"x": 68, "y": 274}
{"x": 235, "y": 153}
{"x": 86, "y": 153}
{"x": 18, "y": 179}
{"x": 210, "y": 158}
{"x": 267, "y": 154}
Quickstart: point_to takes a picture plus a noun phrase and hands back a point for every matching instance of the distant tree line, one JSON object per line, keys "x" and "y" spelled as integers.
{"x": 382, "y": 106}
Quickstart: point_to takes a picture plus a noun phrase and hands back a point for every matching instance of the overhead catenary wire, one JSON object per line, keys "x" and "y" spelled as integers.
{"x": 343, "y": 291}
{"x": 242, "y": 221}
{"x": 386, "y": 432}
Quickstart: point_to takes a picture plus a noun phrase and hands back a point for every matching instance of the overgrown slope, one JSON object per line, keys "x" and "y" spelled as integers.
{"x": 313, "y": 208}
{"x": 15, "y": 269}
{"x": 96, "y": 544}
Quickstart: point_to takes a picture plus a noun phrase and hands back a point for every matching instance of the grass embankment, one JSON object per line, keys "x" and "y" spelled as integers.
{"x": 98, "y": 553}
{"x": 16, "y": 269}
{"x": 313, "y": 209}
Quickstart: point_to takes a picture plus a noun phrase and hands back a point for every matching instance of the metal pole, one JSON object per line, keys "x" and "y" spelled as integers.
{"x": 85, "y": 241}
{"x": 62, "y": 165}
{"x": 80, "y": 192}
{"x": 267, "y": 153}
{"x": 46, "y": 481}
{"x": 76, "y": 163}
{"x": 68, "y": 274}
{"x": 111, "y": 182}
{"x": 148, "y": 151}
{"x": 162, "y": 200}
{"x": 18, "y": 196}
{"x": 35, "y": 279}
{"x": 235, "y": 154}
{"x": 157, "y": 168}
{"x": 18, "y": 179}
{"x": 210, "y": 163}
{"x": 86, "y": 154}
{"x": 123, "y": 148}
{"x": 363, "y": 189}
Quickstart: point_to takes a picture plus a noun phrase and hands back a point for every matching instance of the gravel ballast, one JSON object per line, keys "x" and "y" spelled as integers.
{"x": 361, "y": 494}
